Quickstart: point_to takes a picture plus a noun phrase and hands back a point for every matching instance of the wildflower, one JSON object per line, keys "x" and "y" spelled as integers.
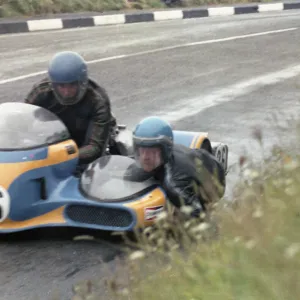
{"x": 186, "y": 209}
{"x": 291, "y": 191}
{"x": 251, "y": 174}
{"x": 237, "y": 239}
{"x": 292, "y": 250}
{"x": 278, "y": 182}
{"x": 258, "y": 213}
{"x": 250, "y": 244}
{"x": 201, "y": 227}
{"x": 289, "y": 181}
{"x": 161, "y": 216}
{"x": 187, "y": 224}
{"x": 137, "y": 255}
{"x": 123, "y": 292}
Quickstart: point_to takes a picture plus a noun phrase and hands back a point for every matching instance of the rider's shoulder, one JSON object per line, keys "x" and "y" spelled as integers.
{"x": 181, "y": 151}
{"x": 182, "y": 155}
{"x": 43, "y": 85}
{"x": 96, "y": 92}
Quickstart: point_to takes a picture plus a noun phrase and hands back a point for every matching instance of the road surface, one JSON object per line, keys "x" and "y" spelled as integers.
{"x": 223, "y": 75}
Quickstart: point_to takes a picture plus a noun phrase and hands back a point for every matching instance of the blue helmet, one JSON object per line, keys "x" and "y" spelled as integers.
{"x": 154, "y": 132}
{"x": 68, "y": 67}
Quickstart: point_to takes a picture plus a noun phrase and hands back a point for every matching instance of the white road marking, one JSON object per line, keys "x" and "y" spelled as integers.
{"x": 193, "y": 106}
{"x": 232, "y": 38}
{"x": 13, "y": 79}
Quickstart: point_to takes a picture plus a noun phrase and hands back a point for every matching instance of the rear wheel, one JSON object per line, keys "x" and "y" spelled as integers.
{"x": 221, "y": 153}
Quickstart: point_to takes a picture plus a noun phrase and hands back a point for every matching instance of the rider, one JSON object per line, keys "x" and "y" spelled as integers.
{"x": 82, "y": 105}
{"x": 179, "y": 169}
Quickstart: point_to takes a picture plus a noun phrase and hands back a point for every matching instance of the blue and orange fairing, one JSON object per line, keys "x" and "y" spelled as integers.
{"x": 37, "y": 163}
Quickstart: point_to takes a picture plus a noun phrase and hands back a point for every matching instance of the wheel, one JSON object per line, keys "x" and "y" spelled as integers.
{"x": 221, "y": 153}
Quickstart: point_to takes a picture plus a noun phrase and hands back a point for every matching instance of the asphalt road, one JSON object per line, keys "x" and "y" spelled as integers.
{"x": 223, "y": 75}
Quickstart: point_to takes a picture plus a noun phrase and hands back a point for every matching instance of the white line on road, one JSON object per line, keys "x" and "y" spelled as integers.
{"x": 193, "y": 106}
{"x": 232, "y": 38}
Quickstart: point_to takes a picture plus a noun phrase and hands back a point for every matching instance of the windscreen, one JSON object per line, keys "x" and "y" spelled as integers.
{"x": 114, "y": 178}
{"x": 27, "y": 126}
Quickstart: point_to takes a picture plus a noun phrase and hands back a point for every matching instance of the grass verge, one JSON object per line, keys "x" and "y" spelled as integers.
{"x": 248, "y": 250}
{"x": 28, "y": 8}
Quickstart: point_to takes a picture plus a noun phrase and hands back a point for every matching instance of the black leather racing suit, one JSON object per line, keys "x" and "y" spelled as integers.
{"x": 178, "y": 176}
{"x": 89, "y": 121}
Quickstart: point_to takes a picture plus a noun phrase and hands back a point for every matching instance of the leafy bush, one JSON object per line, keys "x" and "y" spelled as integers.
{"x": 248, "y": 248}
{"x": 10, "y": 8}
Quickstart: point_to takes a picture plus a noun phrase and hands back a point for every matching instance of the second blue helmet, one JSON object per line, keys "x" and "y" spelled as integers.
{"x": 154, "y": 132}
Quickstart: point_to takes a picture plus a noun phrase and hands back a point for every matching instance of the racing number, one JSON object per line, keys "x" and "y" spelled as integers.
{"x": 222, "y": 155}
{"x": 4, "y": 204}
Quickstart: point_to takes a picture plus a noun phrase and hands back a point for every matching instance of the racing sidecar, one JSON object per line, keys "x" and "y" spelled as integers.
{"x": 38, "y": 187}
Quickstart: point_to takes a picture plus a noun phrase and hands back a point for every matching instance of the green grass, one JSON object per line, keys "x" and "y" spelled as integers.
{"x": 248, "y": 250}
{"x": 12, "y": 8}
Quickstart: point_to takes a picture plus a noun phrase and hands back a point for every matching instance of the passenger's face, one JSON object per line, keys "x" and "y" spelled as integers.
{"x": 149, "y": 158}
{"x": 67, "y": 90}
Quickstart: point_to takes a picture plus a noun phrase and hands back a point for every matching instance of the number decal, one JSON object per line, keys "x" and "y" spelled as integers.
{"x": 4, "y": 204}
{"x": 222, "y": 155}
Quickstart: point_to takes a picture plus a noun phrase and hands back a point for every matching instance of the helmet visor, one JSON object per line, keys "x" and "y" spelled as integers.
{"x": 68, "y": 93}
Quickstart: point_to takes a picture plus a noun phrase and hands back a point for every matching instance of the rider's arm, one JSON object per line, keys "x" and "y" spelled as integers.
{"x": 98, "y": 131}
{"x": 181, "y": 186}
{"x": 211, "y": 174}
{"x": 195, "y": 183}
